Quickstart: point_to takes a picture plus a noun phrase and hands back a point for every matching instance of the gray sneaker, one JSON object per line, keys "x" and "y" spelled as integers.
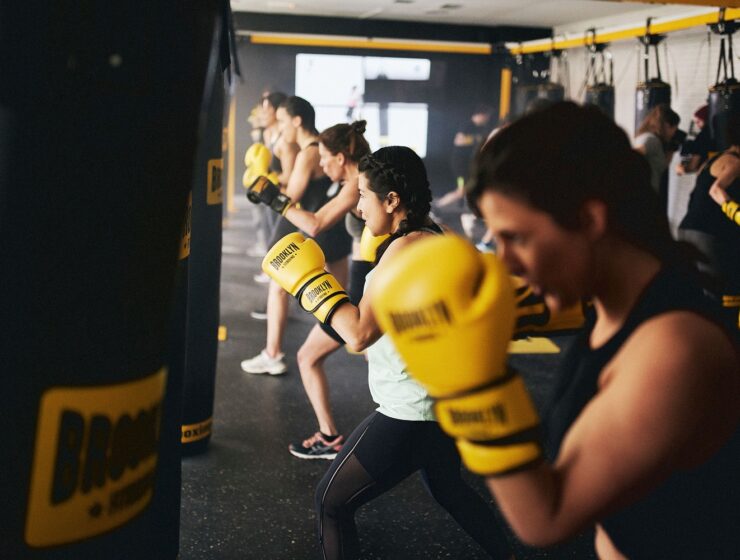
{"x": 264, "y": 363}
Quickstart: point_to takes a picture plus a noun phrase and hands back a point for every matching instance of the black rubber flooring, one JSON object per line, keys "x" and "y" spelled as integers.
{"x": 248, "y": 498}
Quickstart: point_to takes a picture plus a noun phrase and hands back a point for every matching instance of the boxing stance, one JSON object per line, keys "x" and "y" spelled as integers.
{"x": 312, "y": 188}
{"x": 641, "y": 439}
{"x": 340, "y": 149}
{"x": 401, "y": 436}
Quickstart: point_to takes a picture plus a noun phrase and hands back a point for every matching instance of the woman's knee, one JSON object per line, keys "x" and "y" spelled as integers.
{"x": 308, "y": 356}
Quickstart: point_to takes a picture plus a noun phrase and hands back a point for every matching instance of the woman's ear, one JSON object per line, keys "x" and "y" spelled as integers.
{"x": 341, "y": 159}
{"x": 296, "y": 121}
{"x": 392, "y": 200}
{"x": 594, "y": 218}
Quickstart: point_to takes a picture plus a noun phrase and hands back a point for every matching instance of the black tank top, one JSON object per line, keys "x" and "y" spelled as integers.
{"x": 275, "y": 164}
{"x": 704, "y": 214}
{"x": 693, "y": 514}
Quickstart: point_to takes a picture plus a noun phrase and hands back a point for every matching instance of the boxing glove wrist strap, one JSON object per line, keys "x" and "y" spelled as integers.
{"x": 499, "y": 460}
{"x": 321, "y": 295}
{"x": 498, "y": 410}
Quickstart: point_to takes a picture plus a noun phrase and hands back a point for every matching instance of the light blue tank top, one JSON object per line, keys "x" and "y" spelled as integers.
{"x": 397, "y": 395}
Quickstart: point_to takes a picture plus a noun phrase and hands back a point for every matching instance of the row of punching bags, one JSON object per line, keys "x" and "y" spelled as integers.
{"x": 109, "y": 312}
{"x": 723, "y": 97}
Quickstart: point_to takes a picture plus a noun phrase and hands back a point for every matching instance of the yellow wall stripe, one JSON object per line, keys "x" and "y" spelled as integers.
{"x": 505, "y": 102}
{"x": 369, "y": 43}
{"x": 630, "y": 33}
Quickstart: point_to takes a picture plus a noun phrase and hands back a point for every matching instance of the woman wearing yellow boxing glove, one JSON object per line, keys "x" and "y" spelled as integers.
{"x": 642, "y": 437}
{"x": 401, "y": 436}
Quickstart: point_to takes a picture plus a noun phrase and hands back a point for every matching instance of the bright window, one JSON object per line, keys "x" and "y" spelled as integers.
{"x": 335, "y": 86}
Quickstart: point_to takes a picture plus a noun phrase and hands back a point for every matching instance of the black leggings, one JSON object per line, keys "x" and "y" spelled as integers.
{"x": 380, "y": 453}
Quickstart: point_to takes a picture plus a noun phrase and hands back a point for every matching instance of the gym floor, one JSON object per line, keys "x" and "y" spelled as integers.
{"x": 248, "y": 498}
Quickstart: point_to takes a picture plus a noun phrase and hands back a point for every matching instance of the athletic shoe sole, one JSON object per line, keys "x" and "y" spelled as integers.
{"x": 275, "y": 371}
{"x": 301, "y": 455}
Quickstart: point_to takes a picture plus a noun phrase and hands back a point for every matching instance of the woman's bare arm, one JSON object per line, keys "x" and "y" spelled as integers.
{"x": 329, "y": 214}
{"x": 303, "y": 169}
{"x": 286, "y": 153}
{"x": 667, "y": 401}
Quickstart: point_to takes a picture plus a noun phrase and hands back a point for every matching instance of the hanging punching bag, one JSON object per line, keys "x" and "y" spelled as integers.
{"x": 99, "y": 110}
{"x": 724, "y": 95}
{"x": 602, "y": 96}
{"x": 651, "y": 91}
{"x": 551, "y": 91}
{"x": 530, "y": 73}
{"x": 599, "y": 78}
{"x": 555, "y": 88}
{"x": 204, "y": 277}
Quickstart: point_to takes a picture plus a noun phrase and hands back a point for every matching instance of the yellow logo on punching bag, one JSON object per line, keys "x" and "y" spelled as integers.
{"x": 196, "y": 432}
{"x": 185, "y": 239}
{"x": 215, "y": 172}
{"x": 95, "y": 459}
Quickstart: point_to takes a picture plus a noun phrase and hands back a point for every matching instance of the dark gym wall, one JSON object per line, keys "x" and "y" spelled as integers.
{"x": 457, "y": 81}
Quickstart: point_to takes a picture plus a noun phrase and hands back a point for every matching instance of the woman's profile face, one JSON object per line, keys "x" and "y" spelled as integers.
{"x": 375, "y": 212}
{"x": 556, "y": 262}
{"x": 285, "y": 125}
{"x": 268, "y": 113}
{"x": 331, "y": 164}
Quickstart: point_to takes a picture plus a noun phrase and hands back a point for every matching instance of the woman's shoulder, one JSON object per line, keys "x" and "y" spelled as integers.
{"x": 682, "y": 349}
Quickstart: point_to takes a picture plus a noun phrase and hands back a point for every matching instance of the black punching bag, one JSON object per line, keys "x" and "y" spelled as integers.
{"x": 600, "y": 77}
{"x": 650, "y": 91}
{"x": 529, "y": 74}
{"x": 602, "y": 96}
{"x": 204, "y": 276}
{"x": 523, "y": 96}
{"x": 724, "y": 95}
{"x": 554, "y": 89}
{"x": 551, "y": 91}
{"x": 98, "y": 128}
{"x": 648, "y": 95}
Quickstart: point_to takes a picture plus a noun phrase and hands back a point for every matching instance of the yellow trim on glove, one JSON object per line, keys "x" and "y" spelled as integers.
{"x": 488, "y": 460}
{"x": 321, "y": 295}
{"x": 493, "y": 412}
{"x": 730, "y": 208}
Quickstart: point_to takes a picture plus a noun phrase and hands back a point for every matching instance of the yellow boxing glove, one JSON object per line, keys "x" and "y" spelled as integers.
{"x": 369, "y": 244}
{"x": 297, "y": 265}
{"x": 450, "y": 312}
{"x": 533, "y": 317}
{"x": 257, "y": 160}
{"x": 732, "y": 211}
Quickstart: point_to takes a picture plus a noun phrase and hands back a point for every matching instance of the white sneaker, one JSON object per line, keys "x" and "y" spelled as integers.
{"x": 262, "y": 278}
{"x": 264, "y": 363}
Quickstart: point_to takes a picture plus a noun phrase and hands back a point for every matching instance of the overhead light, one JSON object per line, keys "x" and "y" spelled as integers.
{"x": 280, "y": 4}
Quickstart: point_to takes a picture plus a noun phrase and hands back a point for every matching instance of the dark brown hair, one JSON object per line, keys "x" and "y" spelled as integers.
{"x": 560, "y": 157}
{"x": 346, "y": 139}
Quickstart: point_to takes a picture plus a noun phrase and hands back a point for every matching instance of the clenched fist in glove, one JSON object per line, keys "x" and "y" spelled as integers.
{"x": 450, "y": 312}
{"x": 297, "y": 265}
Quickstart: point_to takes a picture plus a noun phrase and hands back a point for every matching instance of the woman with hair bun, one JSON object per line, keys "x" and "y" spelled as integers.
{"x": 341, "y": 147}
